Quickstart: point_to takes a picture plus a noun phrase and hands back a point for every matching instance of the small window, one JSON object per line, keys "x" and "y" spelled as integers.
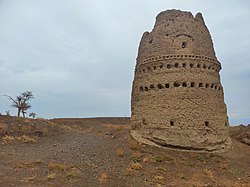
{"x": 176, "y": 65}
{"x": 141, "y": 88}
{"x": 171, "y": 123}
{"x": 146, "y": 88}
{"x": 151, "y": 86}
{"x": 143, "y": 70}
{"x": 204, "y": 66}
{"x": 184, "y": 44}
{"x": 200, "y": 84}
{"x": 198, "y": 66}
{"x": 151, "y": 41}
{"x": 167, "y": 85}
{"x": 212, "y": 85}
{"x": 148, "y": 68}
{"x": 206, "y": 123}
{"x": 159, "y": 86}
{"x": 168, "y": 66}
{"x": 184, "y": 84}
{"x": 176, "y": 84}
{"x": 192, "y": 84}
{"x": 154, "y": 67}
{"x": 207, "y": 85}
{"x": 184, "y": 65}
{"x": 215, "y": 87}
{"x": 161, "y": 66}
{"x": 226, "y": 124}
{"x": 191, "y": 65}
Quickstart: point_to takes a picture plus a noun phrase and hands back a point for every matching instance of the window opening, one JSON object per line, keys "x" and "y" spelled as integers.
{"x": 184, "y": 84}
{"x": 159, "y": 86}
{"x": 184, "y": 44}
{"x": 167, "y": 85}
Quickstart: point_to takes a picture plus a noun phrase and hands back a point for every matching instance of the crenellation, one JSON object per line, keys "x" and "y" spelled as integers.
{"x": 177, "y": 98}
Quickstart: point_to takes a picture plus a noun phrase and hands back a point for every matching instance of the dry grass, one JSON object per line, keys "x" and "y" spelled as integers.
{"x": 120, "y": 152}
{"x": 209, "y": 173}
{"x": 51, "y": 176}
{"x": 136, "y": 166}
{"x": 8, "y": 138}
{"x": 103, "y": 178}
{"x": 29, "y": 179}
{"x": 57, "y": 166}
{"x": 132, "y": 144}
{"x": 129, "y": 171}
{"x": 116, "y": 127}
{"x": 26, "y": 139}
{"x": 136, "y": 156}
{"x": 29, "y": 164}
{"x": 74, "y": 173}
{"x": 158, "y": 177}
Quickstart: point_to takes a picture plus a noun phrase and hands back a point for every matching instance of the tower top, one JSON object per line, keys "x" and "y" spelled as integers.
{"x": 177, "y": 32}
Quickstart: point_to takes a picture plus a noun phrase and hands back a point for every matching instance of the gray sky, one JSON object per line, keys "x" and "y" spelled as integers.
{"x": 78, "y": 56}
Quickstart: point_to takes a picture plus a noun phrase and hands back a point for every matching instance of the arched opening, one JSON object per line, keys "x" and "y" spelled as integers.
{"x": 171, "y": 123}
{"x": 168, "y": 66}
{"x": 206, "y": 123}
{"x": 191, "y": 65}
{"x": 192, "y": 84}
{"x": 184, "y": 65}
{"x": 141, "y": 88}
{"x": 207, "y": 85}
{"x": 167, "y": 85}
{"x": 176, "y": 65}
{"x": 146, "y": 88}
{"x": 200, "y": 84}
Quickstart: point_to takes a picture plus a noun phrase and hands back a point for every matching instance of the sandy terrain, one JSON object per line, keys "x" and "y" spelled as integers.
{"x": 100, "y": 152}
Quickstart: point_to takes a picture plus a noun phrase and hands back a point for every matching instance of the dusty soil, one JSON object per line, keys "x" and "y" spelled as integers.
{"x": 100, "y": 152}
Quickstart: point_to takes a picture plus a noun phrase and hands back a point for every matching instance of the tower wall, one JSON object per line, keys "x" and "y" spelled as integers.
{"x": 177, "y": 96}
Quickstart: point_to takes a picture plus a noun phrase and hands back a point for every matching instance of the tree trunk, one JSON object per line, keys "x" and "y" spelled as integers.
{"x": 18, "y": 112}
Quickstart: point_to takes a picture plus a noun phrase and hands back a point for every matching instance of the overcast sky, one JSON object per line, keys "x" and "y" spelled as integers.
{"x": 78, "y": 56}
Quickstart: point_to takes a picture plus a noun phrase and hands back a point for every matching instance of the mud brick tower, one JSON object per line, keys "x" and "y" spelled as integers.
{"x": 177, "y": 97}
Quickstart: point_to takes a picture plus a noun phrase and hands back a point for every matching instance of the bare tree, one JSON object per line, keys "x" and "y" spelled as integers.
{"x": 32, "y": 114}
{"x": 21, "y": 102}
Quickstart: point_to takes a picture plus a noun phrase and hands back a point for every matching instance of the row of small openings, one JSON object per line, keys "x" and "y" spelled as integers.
{"x": 177, "y": 65}
{"x": 206, "y": 123}
{"x": 179, "y": 56}
{"x": 178, "y": 84}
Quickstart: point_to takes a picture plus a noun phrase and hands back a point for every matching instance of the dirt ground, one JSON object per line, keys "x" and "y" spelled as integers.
{"x": 100, "y": 152}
